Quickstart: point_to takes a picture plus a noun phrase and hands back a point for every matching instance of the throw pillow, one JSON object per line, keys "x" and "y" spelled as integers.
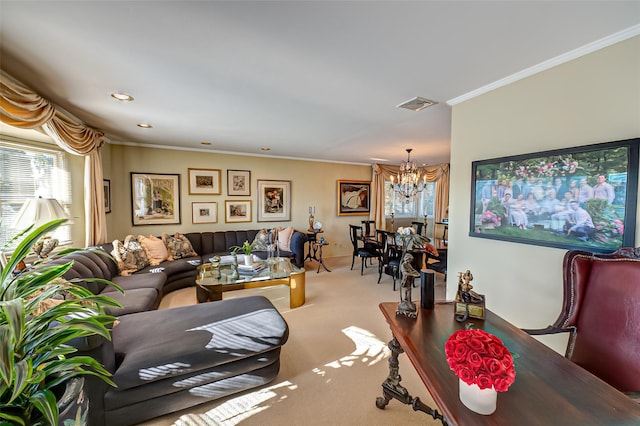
{"x": 129, "y": 255}
{"x": 284, "y": 238}
{"x": 155, "y": 248}
{"x": 262, "y": 239}
{"x": 178, "y": 246}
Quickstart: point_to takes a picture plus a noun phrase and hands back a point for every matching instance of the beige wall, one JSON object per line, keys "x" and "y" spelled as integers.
{"x": 592, "y": 99}
{"x": 312, "y": 183}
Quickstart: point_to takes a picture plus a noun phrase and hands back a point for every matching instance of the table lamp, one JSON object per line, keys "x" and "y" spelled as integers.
{"x": 37, "y": 212}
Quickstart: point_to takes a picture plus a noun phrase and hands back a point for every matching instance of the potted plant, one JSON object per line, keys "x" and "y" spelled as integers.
{"x": 36, "y": 358}
{"x": 247, "y": 249}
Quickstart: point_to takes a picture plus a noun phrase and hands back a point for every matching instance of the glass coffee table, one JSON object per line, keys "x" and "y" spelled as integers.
{"x": 215, "y": 278}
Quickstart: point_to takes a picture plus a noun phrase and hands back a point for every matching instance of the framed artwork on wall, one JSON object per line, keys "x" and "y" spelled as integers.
{"x": 237, "y": 211}
{"x": 574, "y": 198}
{"x": 204, "y": 181}
{"x": 106, "y": 187}
{"x": 239, "y": 182}
{"x": 354, "y": 197}
{"x": 204, "y": 212}
{"x": 155, "y": 198}
{"x": 274, "y": 200}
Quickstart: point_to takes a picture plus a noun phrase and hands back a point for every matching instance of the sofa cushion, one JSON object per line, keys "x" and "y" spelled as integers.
{"x": 129, "y": 255}
{"x": 131, "y": 282}
{"x": 155, "y": 249}
{"x": 172, "y": 267}
{"x": 133, "y": 301}
{"x": 210, "y": 334}
{"x": 178, "y": 246}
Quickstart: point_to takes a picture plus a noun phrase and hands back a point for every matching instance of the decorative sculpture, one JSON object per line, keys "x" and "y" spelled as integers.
{"x": 406, "y": 307}
{"x": 468, "y": 303}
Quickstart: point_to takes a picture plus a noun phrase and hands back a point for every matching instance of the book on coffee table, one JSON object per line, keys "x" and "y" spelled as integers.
{"x": 250, "y": 269}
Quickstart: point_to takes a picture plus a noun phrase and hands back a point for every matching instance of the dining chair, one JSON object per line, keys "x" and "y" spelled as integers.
{"x": 361, "y": 248}
{"x": 601, "y": 311}
{"x": 369, "y": 231}
{"x": 418, "y": 226}
{"x": 390, "y": 256}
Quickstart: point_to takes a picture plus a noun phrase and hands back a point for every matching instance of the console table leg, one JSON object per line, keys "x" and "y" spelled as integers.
{"x": 391, "y": 387}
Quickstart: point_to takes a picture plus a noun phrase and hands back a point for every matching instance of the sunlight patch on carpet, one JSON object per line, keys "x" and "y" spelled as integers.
{"x": 369, "y": 350}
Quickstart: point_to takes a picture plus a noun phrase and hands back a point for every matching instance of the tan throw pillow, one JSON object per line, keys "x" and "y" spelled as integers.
{"x": 155, "y": 248}
{"x": 129, "y": 255}
{"x": 284, "y": 238}
{"x": 178, "y": 246}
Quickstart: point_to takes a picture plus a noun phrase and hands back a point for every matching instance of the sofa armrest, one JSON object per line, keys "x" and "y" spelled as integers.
{"x": 298, "y": 239}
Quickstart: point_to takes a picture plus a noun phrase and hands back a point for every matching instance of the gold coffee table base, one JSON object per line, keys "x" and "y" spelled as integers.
{"x": 296, "y": 282}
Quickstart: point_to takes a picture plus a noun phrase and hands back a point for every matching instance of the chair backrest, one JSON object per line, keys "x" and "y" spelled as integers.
{"x": 602, "y": 302}
{"x": 369, "y": 228}
{"x": 417, "y": 226}
{"x": 355, "y": 233}
{"x": 387, "y": 243}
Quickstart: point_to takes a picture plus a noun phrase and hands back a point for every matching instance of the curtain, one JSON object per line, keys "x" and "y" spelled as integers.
{"x": 438, "y": 173}
{"x": 21, "y": 107}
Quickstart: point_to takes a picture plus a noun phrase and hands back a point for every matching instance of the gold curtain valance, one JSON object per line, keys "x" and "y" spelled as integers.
{"x": 22, "y": 107}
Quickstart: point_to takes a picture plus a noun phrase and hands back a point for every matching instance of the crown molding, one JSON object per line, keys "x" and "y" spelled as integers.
{"x": 558, "y": 60}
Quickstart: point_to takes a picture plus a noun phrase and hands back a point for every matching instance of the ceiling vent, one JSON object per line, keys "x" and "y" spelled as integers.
{"x": 416, "y": 104}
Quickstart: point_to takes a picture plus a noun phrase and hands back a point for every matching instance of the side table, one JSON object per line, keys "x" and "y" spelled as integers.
{"x": 317, "y": 248}
{"x": 312, "y": 239}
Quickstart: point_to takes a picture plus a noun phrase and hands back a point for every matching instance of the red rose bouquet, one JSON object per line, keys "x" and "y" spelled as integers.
{"x": 481, "y": 358}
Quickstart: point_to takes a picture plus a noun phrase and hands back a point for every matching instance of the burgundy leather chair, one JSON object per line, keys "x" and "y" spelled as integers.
{"x": 601, "y": 311}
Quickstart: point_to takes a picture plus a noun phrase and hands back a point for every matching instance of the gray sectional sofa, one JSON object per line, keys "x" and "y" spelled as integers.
{"x": 171, "y": 359}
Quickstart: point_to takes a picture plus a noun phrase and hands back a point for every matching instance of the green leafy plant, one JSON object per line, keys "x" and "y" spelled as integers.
{"x": 246, "y": 248}
{"x": 36, "y": 358}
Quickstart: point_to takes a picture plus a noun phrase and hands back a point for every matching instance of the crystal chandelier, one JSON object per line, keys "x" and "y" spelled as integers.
{"x": 409, "y": 180}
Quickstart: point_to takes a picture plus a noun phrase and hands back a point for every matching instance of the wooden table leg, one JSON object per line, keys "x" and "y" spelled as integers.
{"x": 296, "y": 290}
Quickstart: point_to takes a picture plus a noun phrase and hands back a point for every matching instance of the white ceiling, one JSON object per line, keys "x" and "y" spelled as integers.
{"x": 312, "y": 80}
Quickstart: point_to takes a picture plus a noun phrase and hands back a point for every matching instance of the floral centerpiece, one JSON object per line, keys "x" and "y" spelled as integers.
{"x": 480, "y": 358}
{"x": 409, "y": 239}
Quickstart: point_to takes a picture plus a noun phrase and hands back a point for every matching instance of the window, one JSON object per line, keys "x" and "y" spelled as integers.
{"x": 423, "y": 203}
{"x": 27, "y": 170}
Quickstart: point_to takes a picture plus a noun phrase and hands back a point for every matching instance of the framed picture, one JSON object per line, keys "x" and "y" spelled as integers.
{"x": 106, "y": 187}
{"x": 155, "y": 198}
{"x": 274, "y": 200}
{"x": 204, "y": 181}
{"x": 237, "y": 211}
{"x": 575, "y": 198}
{"x": 239, "y": 182}
{"x": 354, "y": 197}
{"x": 204, "y": 212}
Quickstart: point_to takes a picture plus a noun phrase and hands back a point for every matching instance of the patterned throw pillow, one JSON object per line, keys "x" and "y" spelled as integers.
{"x": 284, "y": 238}
{"x": 155, "y": 248}
{"x": 178, "y": 246}
{"x": 263, "y": 237}
{"x": 129, "y": 255}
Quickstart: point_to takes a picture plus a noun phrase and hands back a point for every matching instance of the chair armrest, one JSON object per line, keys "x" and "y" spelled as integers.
{"x": 548, "y": 330}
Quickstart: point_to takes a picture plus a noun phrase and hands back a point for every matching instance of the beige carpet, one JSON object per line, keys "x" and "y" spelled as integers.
{"x": 333, "y": 364}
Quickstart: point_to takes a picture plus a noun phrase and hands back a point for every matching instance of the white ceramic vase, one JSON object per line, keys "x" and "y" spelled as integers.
{"x": 248, "y": 259}
{"x": 482, "y": 401}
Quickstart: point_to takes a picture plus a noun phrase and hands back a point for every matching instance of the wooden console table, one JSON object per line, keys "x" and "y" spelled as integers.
{"x": 548, "y": 390}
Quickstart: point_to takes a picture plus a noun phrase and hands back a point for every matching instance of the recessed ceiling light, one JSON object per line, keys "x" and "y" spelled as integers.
{"x": 205, "y": 143}
{"x": 122, "y": 97}
{"x": 416, "y": 104}
{"x": 145, "y": 125}
{"x": 266, "y": 148}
